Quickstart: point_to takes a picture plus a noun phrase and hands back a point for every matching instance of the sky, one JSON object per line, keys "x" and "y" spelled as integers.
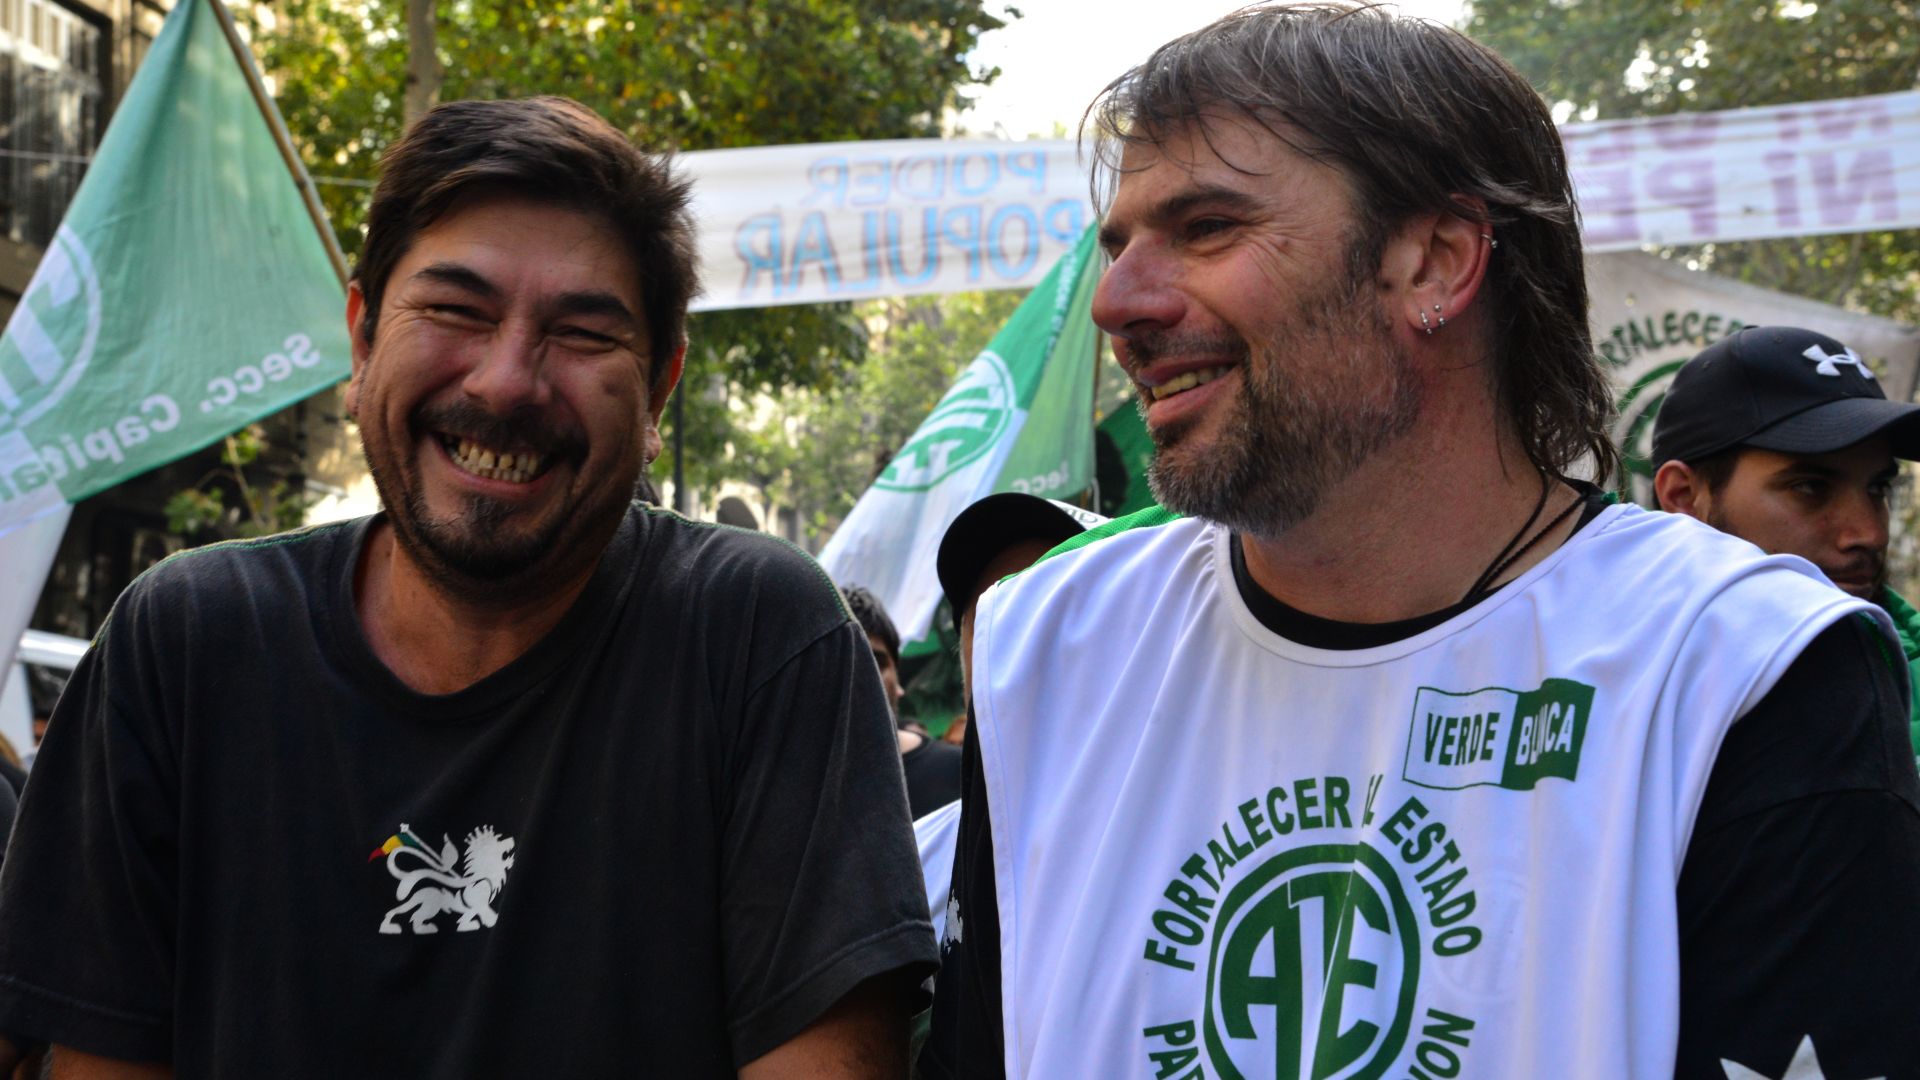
{"x": 1058, "y": 55}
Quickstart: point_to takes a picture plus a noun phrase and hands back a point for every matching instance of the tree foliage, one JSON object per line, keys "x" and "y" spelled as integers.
{"x": 201, "y": 513}
{"x": 674, "y": 74}
{"x": 818, "y": 448}
{"x": 1606, "y": 59}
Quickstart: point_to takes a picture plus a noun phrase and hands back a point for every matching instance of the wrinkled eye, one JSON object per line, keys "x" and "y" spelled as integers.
{"x": 584, "y": 338}
{"x": 1201, "y": 228}
{"x": 459, "y": 318}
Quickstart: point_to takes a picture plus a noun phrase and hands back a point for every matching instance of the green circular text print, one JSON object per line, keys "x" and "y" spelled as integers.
{"x": 967, "y": 423}
{"x": 51, "y": 337}
{"x": 1309, "y": 951}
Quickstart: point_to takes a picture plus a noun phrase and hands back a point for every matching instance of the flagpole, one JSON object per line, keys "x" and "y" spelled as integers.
{"x": 308, "y": 194}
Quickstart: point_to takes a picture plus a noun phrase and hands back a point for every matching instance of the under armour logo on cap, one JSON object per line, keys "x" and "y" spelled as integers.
{"x": 1778, "y": 388}
{"x": 1829, "y": 364}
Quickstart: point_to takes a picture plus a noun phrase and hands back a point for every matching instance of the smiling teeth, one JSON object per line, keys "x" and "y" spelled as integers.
{"x": 484, "y": 462}
{"x": 1186, "y": 381}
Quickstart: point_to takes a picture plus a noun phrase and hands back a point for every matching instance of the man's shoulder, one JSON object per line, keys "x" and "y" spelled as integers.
{"x": 728, "y": 554}
{"x": 735, "y": 571}
{"x": 1643, "y": 556}
{"x": 282, "y": 568}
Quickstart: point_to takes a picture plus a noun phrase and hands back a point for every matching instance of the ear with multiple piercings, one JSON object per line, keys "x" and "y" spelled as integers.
{"x": 1428, "y": 324}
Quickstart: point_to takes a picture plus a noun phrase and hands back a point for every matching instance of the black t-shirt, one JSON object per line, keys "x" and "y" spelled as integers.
{"x": 933, "y": 775}
{"x": 661, "y": 842}
{"x": 1799, "y": 896}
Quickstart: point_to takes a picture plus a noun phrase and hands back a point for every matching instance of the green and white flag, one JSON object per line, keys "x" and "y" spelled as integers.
{"x": 187, "y": 293}
{"x": 1019, "y": 418}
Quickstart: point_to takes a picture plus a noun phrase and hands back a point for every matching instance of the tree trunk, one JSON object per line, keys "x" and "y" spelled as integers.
{"x": 423, "y": 60}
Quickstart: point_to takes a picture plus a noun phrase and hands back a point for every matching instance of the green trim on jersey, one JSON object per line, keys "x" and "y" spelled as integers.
{"x": 1140, "y": 519}
{"x": 1906, "y": 623}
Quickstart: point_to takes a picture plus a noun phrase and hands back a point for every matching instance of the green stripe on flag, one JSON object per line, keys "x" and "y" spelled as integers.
{"x": 1018, "y": 418}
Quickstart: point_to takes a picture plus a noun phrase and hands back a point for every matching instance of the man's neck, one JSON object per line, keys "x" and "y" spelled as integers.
{"x": 438, "y": 643}
{"x": 1414, "y": 528}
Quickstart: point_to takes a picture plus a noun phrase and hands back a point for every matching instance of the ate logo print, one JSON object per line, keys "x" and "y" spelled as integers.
{"x": 1305, "y": 948}
{"x": 967, "y": 423}
{"x": 51, "y": 337}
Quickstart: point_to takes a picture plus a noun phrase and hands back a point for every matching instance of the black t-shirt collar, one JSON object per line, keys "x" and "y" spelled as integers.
{"x": 1315, "y": 632}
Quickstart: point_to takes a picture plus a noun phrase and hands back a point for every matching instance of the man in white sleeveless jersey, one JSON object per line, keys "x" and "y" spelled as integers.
{"x": 1394, "y": 749}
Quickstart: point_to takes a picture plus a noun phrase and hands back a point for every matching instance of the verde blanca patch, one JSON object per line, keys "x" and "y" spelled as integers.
{"x": 1497, "y": 737}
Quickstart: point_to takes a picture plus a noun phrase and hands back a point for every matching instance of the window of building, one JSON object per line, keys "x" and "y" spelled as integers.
{"x": 52, "y": 101}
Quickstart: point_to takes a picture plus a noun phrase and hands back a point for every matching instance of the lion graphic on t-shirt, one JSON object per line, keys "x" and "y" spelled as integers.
{"x": 438, "y": 886}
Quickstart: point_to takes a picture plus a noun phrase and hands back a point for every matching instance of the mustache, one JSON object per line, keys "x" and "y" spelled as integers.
{"x": 1146, "y": 347}
{"x": 522, "y": 430}
{"x": 1870, "y": 566}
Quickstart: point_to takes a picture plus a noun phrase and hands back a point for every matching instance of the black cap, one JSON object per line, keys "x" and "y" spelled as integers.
{"x": 996, "y": 523}
{"x": 1778, "y": 388}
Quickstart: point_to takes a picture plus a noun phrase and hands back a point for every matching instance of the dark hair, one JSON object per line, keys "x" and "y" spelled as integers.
{"x": 1713, "y": 471}
{"x": 871, "y": 614}
{"x": 549, "y": 148}
{"x": 1419, "y": 118}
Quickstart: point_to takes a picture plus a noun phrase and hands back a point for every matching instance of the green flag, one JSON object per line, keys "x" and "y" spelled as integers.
{"x": 1019, "y": 418}
{"x": 1128, "y": 431}
{"x": 187, "y": 293}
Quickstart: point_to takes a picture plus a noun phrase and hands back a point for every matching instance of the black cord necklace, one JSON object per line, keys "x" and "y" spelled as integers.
{"x": 1509, "y": 554}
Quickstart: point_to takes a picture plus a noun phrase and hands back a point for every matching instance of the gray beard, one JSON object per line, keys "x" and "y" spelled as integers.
{"x": 1297, "y": 428}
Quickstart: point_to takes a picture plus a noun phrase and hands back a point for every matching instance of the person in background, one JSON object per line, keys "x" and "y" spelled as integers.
{"x": 1404, "y": 751}
{"x": 932, "y": 767}
{"x": 12, "y": 769}
{"x": 1784, "y": 438}
{"x": 999, "y": 535}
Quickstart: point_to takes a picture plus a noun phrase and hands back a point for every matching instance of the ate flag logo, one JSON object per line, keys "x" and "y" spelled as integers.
{"x": 51, "y": 337}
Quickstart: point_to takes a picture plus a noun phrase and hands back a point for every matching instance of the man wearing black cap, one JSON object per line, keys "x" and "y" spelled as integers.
{"x": 1784, "y": 438}
{"x": 1000, "y": 535}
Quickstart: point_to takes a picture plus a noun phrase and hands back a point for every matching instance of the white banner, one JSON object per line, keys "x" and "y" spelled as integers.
{"x": 1650, "y": 315}
{"x": 854, "y": 221}
{"x": 1786, "y": 170}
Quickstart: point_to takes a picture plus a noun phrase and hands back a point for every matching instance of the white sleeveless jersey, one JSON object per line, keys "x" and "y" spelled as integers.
{"x": 1219, "y": 853}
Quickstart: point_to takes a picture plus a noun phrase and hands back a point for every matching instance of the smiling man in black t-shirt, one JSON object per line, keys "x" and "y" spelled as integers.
{"x": 516, "y": 778}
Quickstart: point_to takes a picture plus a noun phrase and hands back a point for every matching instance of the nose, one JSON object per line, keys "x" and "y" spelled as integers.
{"x": 1138, "y": 293}
{"x": 510, "y": 371}
{"x": 1863, "y": 523}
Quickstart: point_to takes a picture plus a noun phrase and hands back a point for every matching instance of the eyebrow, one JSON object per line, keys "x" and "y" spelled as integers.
{"x": 578, "y": 302}
{"x": 454, "y": 274}
{"x": 593, "y": 302}
{"x": 1182, "y": 203}
{"x": 1798, "y": 470}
